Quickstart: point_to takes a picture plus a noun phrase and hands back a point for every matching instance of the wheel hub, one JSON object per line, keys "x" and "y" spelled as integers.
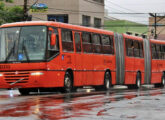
{"x": 67, "y": 82}
{"x": 138, "y": 83}
{"x": 163, "y": 82}
{"x": 107, "y": 84}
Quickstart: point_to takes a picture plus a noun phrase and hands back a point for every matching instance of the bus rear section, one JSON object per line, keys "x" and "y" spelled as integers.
{"x": 157, "y": 62}
{"x": 134, "y": 61}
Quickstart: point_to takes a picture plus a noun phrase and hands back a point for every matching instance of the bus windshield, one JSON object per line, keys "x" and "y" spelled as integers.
{"x": 23, "y": 44}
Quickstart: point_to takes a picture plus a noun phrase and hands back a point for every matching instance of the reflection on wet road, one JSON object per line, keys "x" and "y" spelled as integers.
{"x": 113, "y": 104}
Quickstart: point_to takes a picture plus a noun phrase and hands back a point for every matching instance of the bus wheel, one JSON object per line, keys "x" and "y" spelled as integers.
{"x": 24, "y": 91}
{"x": 107, "y": 81}
{"x": 138, "y": 81}
{"x": 68, "y": 85}
{"x": 163, "y": 81}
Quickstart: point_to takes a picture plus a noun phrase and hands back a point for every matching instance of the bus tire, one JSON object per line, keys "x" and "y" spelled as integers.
{"x": 107, "y": 81}
{"x": 68, "y": 82}
{"x": 138, "y": 81}
{"x": 163, "y": 81}
{"x": 162, "y": 84}
{"x": 24, "y": 91}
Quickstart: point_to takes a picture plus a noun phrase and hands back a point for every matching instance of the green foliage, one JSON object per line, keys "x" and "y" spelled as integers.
{"x": 10, "y": 14}
{"x": 15, "y": 14}
{"x": 123, "y": 26}
{"x": 10, "y": 1}
{"x": 2, "y": 6}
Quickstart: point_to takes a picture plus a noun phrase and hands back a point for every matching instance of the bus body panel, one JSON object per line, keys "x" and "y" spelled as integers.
{"x": 158, "y": 65}
{"x": 133, "y": 65}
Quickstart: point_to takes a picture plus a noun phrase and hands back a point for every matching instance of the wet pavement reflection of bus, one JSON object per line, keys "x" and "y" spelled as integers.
{"x": 82, "y": 105}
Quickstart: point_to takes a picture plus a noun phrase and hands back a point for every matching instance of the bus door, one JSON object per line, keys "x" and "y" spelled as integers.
{"x": 129, "y": 62}
{"x": 78, "y": 59}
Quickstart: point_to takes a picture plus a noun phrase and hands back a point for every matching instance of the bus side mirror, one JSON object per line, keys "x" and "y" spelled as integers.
{"x": 53, "y": 40}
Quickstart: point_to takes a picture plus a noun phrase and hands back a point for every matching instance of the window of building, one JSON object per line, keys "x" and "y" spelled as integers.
{"x": 96, "y": 41}
{"x": 87, "y": 44}
{"x": 86, "y": 20}
{"x": 58, "y": 18}
{"x": 97, "y": 22}
{"x": 77, "y": 42}
{"x": 107, "y": 44}
{"x": 67, "y": 40}
{"x": 100, "y": 1}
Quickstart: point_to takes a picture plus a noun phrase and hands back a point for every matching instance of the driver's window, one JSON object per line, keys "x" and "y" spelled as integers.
{"x": 53, "y": 50}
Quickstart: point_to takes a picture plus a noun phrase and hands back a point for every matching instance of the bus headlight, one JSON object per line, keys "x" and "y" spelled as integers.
{"x": 37, "y": 73}
{"x": 1, "y": 74}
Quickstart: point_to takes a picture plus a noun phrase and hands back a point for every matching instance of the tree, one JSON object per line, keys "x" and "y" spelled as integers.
{"x": 10, "y": 14}
{"x": 10, "y": 1}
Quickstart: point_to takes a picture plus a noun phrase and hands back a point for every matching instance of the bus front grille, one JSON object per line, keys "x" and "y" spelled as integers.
{"x": 16, "y": 77}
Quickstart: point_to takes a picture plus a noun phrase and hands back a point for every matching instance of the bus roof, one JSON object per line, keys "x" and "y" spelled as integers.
{"x": 132, "y": 37}
{"x": 157, "y": 41}
{"x": 58, "y": 24}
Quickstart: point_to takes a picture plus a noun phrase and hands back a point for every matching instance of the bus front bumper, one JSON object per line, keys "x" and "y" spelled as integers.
{"x": 31, "y": 79}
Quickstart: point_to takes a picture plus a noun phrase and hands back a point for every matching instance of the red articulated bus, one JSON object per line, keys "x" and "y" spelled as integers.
{"x": 37, "y": 55}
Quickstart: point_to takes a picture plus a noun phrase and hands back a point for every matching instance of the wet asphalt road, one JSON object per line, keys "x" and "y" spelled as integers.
{"x": 115, "y": 104}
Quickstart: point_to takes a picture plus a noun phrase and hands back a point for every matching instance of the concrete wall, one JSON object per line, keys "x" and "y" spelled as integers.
{"x": 93, "y": 8}
{"x": 73, "y": 8}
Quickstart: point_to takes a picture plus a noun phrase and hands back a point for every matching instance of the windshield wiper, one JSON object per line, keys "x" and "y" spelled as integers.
{"x": 11, "y": 52}
{"x": 26, "y": 52}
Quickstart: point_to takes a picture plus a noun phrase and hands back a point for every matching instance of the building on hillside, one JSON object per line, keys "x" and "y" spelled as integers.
{"x": 79, "y": 12}
{"x": 160, "y": 29}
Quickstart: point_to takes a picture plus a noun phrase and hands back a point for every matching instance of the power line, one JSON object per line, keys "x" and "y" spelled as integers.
{"x": 120, "y": 6}
{"x": 77, "y": 11}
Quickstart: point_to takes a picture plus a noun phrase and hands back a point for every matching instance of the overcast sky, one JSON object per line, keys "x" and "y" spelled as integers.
{"x": 134, "y": 6}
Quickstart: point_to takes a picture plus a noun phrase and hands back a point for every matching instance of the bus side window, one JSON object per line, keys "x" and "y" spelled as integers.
{"x": 158, "y": 51}
{"x": 106, "y": 44}
{"x": 96, "y": 41}
{"x": 163, "y": 50}
{"x": 129, "y": 47}
{"x": 77, "y": 42}
{"x": 111, "y": 44}
{"x": 153, "y": 51}
{"x": 87, "y": 45}
{"x": 53, "y": 50}
{"x": 136, "y": 48}
{"x": 141, "y": 49}
{"x": 67, "y": 40}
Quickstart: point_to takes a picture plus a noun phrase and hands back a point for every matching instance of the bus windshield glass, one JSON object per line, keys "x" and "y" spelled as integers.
{"x": 23, "y": 44}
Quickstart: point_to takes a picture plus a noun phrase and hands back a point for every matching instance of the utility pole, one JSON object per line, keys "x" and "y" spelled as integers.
{"x": 25, "y": 10}
{"x": 155, "y": 24}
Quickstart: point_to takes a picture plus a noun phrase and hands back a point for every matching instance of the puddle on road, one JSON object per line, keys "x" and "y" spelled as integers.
{"x": 64, "y": 106}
